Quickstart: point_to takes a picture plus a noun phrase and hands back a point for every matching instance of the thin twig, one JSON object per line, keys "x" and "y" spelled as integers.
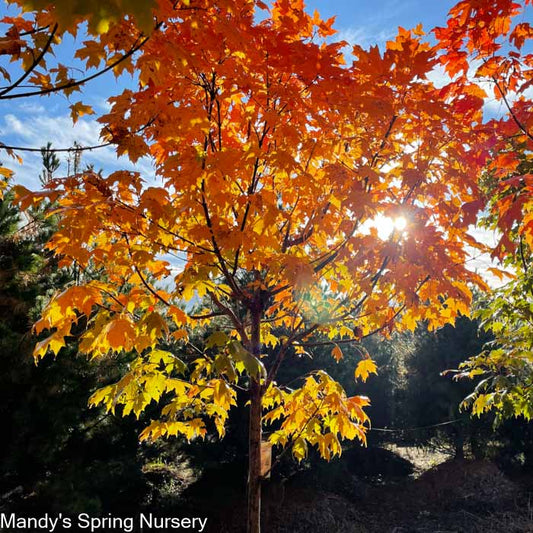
{"x": 83, "y": 81}
{"x": 35, "y": 63}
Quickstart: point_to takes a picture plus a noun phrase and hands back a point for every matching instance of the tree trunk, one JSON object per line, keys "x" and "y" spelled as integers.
{"x": 254, "y": 437}
{"x": 457, "y": 434}
{"x": 459, "y": 443}
{"x": 254, "y": 460}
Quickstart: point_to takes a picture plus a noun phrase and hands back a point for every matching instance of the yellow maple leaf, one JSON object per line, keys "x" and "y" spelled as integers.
{"x": 365, "y": 368}
{"x": 52, "y": 343}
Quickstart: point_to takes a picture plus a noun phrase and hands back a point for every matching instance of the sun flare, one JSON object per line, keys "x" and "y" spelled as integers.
{"x": 386, "y": 225}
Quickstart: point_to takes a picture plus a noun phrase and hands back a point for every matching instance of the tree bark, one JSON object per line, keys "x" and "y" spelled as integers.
{"x": 254, "y": 437}
{"x": 458, "y": 435}
{"x": 254, "y": 460}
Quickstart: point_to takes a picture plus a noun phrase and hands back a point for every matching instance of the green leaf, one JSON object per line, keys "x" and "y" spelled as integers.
{"x": 253, "y": 366}
{"x": 218, "y": 338}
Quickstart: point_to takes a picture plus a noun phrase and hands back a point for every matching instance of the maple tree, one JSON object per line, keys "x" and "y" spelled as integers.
{"x": 274, "y": 160}
{"x": 488, "y": 46}
{"x": 505, "y": 363}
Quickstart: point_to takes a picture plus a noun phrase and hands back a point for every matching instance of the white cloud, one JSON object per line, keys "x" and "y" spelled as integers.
{"x": 32, "y": 107}
{"x": 493, "y": 107}
{"x": 439, "y": 77}
{"x": 24, "y": 127}
{"x": 364, "y": 36}
{"x": 102, "y": 104}
{"x": 13, "y": 125}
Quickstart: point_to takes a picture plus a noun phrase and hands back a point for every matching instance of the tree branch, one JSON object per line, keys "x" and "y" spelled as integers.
{"x": 512, "y": 113}
{"x": 229, "y": 312}
{"x": 54, "y": 150}
{"x": 35, "y": 63}
{"x": 83, "y": 81}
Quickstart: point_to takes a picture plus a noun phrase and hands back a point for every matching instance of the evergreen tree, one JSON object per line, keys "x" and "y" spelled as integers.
{"x": 68, "y": 458}
{"x": 432, "y": 397}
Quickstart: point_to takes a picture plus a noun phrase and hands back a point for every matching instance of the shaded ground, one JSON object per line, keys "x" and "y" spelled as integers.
{"x": 387, "y": 495}
{"x": 456, "y": 496}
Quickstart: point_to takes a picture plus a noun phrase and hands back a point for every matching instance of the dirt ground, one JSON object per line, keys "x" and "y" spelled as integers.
{"x": 414, "y": 495}
{"x": 456, "y": 496}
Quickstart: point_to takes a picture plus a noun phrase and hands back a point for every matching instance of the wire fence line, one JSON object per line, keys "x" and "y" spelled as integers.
{"x": 400, "y": 430}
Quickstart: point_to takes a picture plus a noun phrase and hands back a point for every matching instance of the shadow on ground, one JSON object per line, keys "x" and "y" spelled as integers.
{"x": 371, "y": 491}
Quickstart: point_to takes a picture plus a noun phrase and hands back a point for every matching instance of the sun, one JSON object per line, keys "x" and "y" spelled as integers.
{"x": 400, "y": 223}
{"x": 386, "y": 225}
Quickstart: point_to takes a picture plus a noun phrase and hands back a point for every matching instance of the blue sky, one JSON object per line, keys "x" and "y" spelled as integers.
{"x": 370, "y": 22}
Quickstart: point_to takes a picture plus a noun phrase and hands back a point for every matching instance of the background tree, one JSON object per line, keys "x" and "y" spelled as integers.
{"x": 51, "y": 164}
{"x": 431, "y": 397}
{"x": 505, "y": 362}
{"x": 54, "y": 450}
{"x": 495, "y": 38}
